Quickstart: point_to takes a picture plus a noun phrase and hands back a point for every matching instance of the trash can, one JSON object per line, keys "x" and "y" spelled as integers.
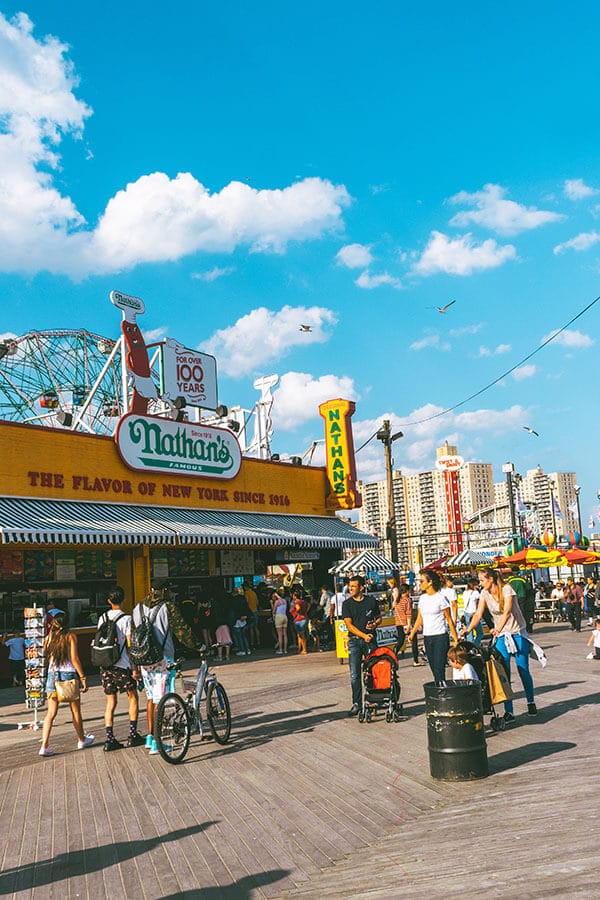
{"x": 455, "y": 732}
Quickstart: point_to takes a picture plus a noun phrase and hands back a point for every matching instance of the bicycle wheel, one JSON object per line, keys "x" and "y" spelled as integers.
{"x": 172, "y": 728}
{"x": 218, "y": 712}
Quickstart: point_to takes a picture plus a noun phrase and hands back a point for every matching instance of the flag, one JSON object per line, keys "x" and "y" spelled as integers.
{"x": 556, "y": 508}
{"x": 591, "y": 523}
{"x": 573, "y": 508}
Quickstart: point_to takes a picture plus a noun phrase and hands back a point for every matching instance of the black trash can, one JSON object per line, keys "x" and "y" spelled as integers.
{"x": 455, "y": 732}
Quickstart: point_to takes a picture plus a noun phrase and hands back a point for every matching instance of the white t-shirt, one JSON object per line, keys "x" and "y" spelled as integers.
{"x": 338, "y": 602}
{"x": 470, "y": 601}
{"x": 123, "y": 633}
{"x": 467, "y": 672}
{"x": 450, "y": 594}
{"x": 431, "y": 607}
{"x": 595, "y": 632}
{"x": 162, "y": 631}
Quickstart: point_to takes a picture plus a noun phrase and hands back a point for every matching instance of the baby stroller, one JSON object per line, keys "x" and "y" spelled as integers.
{"x": 478, "y": 656}
{"x": 381, "y": 685}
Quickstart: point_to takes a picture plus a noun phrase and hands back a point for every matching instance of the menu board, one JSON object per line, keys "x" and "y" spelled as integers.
{"x": 94, "y": 565}
{"x": 64, "y": 565}
{"x": 35, "y": 627}
{"x": 11, "y": 565}
{"x": 39, "y": 565}
{"x": 237, "y": 562}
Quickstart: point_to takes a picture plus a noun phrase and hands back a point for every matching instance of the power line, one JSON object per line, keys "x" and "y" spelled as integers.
{"x": 444, "y": 412}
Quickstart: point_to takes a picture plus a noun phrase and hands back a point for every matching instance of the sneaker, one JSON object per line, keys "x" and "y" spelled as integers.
{"x": 46, "y": 751}
{"x": 153, "y": 749}
{"x": 354, "y": 709}
{"x": 112, "y": 745}
{"x": 135, "y": 740}
{"x": 279, "y": 653}
{"x": 148, "y": 743}
{"x": 532, "y": 709}
{"x": 241, "y": 653}
{"x": 508, "y": 718}
{"x": 87, "y": 741}
{"x": 248, "y": 652}
{"x": 418, "y": 664}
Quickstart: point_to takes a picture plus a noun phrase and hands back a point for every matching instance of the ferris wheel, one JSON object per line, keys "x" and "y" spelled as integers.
{"x": 62, "y": 378}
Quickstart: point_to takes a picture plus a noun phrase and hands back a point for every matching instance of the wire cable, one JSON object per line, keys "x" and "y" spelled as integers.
{"x": 444, "y": 412}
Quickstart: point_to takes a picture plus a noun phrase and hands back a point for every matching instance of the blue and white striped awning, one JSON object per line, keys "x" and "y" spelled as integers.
{"x": 467, "y": 558}
{"x": 367, "y": 561}
{"x": 29, "y": 520}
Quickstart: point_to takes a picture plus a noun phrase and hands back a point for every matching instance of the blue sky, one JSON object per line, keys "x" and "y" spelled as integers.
{"x": 248, "y": 168}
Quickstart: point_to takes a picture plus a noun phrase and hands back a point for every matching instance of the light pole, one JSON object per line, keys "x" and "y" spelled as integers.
{"x": 467, "y": 527}
{"x": 387, "y": 439}
{"x": 577, "y": 489}
{"x": 508, "y": 469}
{"x": 552, "y": 485}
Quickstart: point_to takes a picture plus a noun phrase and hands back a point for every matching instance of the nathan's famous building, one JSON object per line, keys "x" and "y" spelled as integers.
{"x": 158, "y": 496}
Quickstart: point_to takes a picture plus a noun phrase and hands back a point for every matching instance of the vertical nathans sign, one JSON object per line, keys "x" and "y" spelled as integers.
{"x": 339, "y": 450}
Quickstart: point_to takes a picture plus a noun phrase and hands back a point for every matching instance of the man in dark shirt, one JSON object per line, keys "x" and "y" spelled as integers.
{"x": 362, "y": 616}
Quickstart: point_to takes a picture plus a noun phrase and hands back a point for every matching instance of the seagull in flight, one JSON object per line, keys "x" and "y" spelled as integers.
{"x": 443, "y": 309}
{"x": 305, "y": 328}
{"x": 530, "y": 430}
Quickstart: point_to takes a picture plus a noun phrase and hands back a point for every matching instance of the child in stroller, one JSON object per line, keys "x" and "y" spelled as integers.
{"x": 381, "y": 685}
{"x": 477, "y": 656}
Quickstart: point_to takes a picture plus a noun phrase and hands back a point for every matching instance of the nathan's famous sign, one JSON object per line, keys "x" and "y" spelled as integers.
{"x": 149, "y": 443}
{"x": 339, "y": 450}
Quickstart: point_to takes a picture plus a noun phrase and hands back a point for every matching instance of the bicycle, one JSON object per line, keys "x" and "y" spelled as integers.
{"x": 177, "y": 717}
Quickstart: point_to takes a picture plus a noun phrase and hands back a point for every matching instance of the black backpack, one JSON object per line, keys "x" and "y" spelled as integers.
{"x": 105, "y": 649}
{"x": 144, "y": 648}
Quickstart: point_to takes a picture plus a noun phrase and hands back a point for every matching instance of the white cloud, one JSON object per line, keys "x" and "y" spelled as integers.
{"x": 430, "y": 340}
{"x": 355, "y": 256}
{"x": 580, "y": 242}
{"x": 491, "y": 210}
{"x": 415, "y": 452}
{"x": 370, "y": 282}
{"x": 8, "y": 336}
{"x": 501, "y": 348}
{"x": 156, "y": 334}
{"x": 264, "y": 336}
{"x": 523, "y": 372}
{"x": 576, "y": 189}
{"x": 461, "y": 255}
{"x": 154, "y": 219}
{"x": 298, "y": 395}
{"x": 213, "y": 274}
{"x": 466, "y": 329}
{"x": 570, "y": 338}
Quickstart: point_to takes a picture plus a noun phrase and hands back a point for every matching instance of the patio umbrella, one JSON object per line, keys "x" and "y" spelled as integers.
{"x": 534, "y": 559}
{"x": 365, "y": 561}
{"x": 576, "y": 557}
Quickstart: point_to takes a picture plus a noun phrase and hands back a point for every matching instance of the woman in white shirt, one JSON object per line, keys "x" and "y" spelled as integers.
{"x": 435, "y": 617}
{"x": 509, "y": 631}
{"x": 470, "y": 603}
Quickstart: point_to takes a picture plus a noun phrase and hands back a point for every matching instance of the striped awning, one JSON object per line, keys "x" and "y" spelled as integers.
{"x": 29, "y": 520}
{"x": 467, "y": 558}
{"x": 367, "y": 561}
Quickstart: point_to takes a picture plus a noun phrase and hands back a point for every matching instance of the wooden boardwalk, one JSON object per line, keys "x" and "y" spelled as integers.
{"x": 306, "y": 802}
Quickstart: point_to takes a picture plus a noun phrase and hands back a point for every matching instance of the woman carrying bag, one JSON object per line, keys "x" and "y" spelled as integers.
{"x": 509, "y": 631}
{"x": 65, "y": 680}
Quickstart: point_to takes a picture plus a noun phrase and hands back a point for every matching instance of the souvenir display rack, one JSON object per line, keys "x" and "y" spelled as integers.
{"x": 35, "y": 681}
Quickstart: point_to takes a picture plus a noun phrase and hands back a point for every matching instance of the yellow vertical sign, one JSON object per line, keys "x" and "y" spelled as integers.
{"x": 339, "y": 450}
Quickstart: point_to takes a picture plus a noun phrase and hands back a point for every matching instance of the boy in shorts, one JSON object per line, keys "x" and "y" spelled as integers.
{"x": 120, "y": 679}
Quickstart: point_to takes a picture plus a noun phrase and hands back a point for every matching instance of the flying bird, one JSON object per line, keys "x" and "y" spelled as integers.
{"x": 305, "y": 328}
{"x": 530, "y": 430}
{"x": 443, "y": 309}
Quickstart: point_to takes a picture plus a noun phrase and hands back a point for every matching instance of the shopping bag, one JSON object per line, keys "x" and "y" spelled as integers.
{"x": 498, "y": 683}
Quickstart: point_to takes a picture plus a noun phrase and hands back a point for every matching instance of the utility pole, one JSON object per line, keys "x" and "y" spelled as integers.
{"x": 387, "y": 439}
{"x": 577, "y": 493}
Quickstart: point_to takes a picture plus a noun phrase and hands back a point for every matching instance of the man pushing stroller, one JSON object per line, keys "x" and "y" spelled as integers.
{"x": 362, "y": 616}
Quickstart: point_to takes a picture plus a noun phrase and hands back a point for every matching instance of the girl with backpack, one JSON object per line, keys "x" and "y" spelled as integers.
{"x": 65, "y": 681}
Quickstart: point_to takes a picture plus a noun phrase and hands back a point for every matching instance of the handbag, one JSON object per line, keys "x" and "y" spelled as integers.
{"x": 498, "y": 683}
{"x": 67, "y": 691}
